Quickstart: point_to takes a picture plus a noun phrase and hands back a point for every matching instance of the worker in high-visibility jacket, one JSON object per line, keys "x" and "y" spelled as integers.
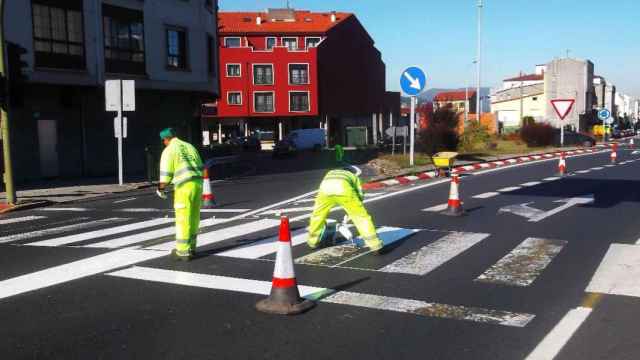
{"x": 181, "y": 165}
{"x": 341, "y": 187}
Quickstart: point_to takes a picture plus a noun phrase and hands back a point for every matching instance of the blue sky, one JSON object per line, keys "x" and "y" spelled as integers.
{"x": 440, "y": 36}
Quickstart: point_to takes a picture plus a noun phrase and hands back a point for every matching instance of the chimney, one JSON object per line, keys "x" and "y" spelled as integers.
{"x": 258, "y": 20}
{"x": 333, "y": 16}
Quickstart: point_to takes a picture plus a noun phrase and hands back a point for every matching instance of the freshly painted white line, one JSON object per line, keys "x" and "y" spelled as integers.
{"x": 523, "y": 264}
{"x": 509, "y": 189}
{"x": 597, "y": 168}
{"x": 532, "y": 183}
{"x": 486, "y": 195}
{"x": 437, "y": 208}
{"x": 553, "y": 343}
{"x": 59, "y": 230}
{"x": 75, "y": 270}
{"x": 432, "y": 256}
{"x": 583, "y": 171}
{"x": 124, "y": 200}
{"x": 63, "y": 209}
{"x": 101, "y": 233}
{"x": 374, "y": 302}
{"x": 224, "y": 211}
{"x": 619, "y": 272}
{"x": 226, "y": 233}
{"x": 287, "y": 210}
{"x": 553, "y": 178}
{"x": 264, "y": 247}
{"x": 21, "y": 219}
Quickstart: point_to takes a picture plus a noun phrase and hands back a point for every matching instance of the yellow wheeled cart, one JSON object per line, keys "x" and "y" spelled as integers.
{"x": 443, "y": 161}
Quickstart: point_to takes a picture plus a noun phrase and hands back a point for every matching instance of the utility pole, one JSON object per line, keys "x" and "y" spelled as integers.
{"x": 6, "y": 139}
{"x": 521, "y": 101}
{"x": 479, "y": 59}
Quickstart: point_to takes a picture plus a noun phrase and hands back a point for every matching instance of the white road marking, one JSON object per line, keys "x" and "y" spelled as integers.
{"x": 264, "y": 247}
{"x": 63, "y": 209}
{"x": 20, "y": 219}
{"x": 532, "y": 183}
{"x": 553, "y": 343}
{"x": 437, "y": 208}
{"x": 144, "y": 210}
{"x": 224, "y": 211}
{"x": 124, "y": 200}
{"x": 536, "y": 215}
{"x": 432, "y": 256}
{"x": 374, "y": 302}
{"x": 609, "y": 165}
{"x": 619, "y": 272}
{"x": 486, "y": 195}
{"x": 583, "y": 171}
{"x": 287, "y": 210}
{"x": 638, "y": 242}
{"x": 59, "y": 230}
{"x": 510, "y": 189}
{"x": 75, "y": 270}
{"x": 101, "y": 233}
{"x": 523, "y": 264}
{"x": 597, "y": 168}
{"x": 553, "y": 178}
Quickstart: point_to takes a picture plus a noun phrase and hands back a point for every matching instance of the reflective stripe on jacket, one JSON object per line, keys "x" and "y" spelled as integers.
{"x": 341, "y": 182}
{"x": 180, "y": 162}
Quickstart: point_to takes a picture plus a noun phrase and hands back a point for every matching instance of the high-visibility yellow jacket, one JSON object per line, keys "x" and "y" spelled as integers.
{"x": 341, "y": 183}
{"x": 180, "y": 162}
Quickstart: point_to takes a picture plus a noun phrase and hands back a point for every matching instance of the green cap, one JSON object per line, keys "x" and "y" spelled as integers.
{"x": 167, "y": 133}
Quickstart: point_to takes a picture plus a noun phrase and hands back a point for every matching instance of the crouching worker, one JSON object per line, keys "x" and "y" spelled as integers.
{"x": 342, "y": 188}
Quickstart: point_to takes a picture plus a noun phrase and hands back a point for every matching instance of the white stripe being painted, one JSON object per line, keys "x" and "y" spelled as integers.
{"x": 551, "y": 178}
{"x": 286, "y": 211}
{"x": 553, "y": 343}
{"x": 124, "y": 200}
{"x": 75, "y": 270}
{"x": 226, "y": 233}
{"x": 619, "y": 272}
{"x": 264, "y": 247}
{"x": 63, "y": 209}
{"x": 486, "y": 195}
{"x": 510, "y": 189}
{"x": 437, "y": 208}
{"x": 432, "y": 256}
{"x": 21, "y": 219}
{"x": 146, "y": 236}
{"x": 535, "y": 253}
{"x": 101, "y": 233}
{"x": 374, "y": 302}
{"x": 59, "y": 230}
{"x": 532, "y": 183}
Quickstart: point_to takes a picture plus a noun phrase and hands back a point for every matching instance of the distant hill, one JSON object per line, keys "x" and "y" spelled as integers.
{"x": 429, "y": 94}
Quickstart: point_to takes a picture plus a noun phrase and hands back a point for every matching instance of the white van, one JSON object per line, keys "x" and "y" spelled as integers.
{"x": 307, "y": 139}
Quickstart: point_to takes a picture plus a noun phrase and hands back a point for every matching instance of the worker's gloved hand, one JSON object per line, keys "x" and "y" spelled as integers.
{"x": 161, "y": 194}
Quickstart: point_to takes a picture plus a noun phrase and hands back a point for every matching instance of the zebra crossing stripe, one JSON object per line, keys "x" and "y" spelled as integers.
{"x": 20, "y": 219}
{"x": 437, "y": 208}
{"x": 287, "y": 210}
{"x": 264, "y": 247}
{"x": 432, "y": 256}
{"x": 59, "y": 230}
{"x": 64, "y": 209}
{"x": 536, "y": 253}
{"x": 101, "y": 233}
{"x": 325, "y": 295}
{"x": 486, "y": 195}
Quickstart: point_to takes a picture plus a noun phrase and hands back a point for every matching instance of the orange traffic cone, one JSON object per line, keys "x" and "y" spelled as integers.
{"x": 208, "y": 201}
{"x": 614, "y": 154}
{"x": 454, "y": 205}
{"x": 632, "y": 144}
{"x": 284, "y": 298}
{"x": 562, "y": 165}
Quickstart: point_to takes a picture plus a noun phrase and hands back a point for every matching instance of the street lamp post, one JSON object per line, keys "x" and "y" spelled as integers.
{"x": 479, "y": 59}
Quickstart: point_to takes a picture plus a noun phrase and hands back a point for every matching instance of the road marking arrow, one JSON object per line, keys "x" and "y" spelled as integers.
{"x": 415, "y": 83}
{"x": 535, "y": 215}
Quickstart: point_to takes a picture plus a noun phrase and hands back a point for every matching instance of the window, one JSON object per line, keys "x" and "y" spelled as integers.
{"x": 298, "y": 74}
{"x": 312, "y": 42}
{"x": 232, "y": 42}
{"x": 298, "y": 101}
{"x": 263, "y": 74}
{"x": 291, "y": 43}
{"x": 535, "y": 98}
{"x": 123, "y": 40}
{"x": 233, "y": 70}
{"x": 263, "y": 102}
{"x": 234, "y": 98}
{"x": 176, "y": 48}
{"x": 270, "y": 43}
{"x": 58, "y": 35}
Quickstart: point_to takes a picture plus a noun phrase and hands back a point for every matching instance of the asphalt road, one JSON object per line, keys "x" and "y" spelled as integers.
{"x": 528, "y": 273}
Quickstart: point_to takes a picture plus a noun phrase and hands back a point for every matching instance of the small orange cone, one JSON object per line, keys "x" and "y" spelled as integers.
{"x": 632, "y": 144}
{"x": 208, "y": 201}
{"x": 562, "y": 165}
{"x": 454, "y": 205}
{"x": 614, "y": 154}
{"x": 284, "y": 298}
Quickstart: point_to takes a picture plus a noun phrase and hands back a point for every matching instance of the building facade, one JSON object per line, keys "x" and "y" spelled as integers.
{"x": 570, "y": 79}
{"x": 519, "y": 97}
{"x": 285, "y": 69}
{"x": 458, "y": 101}
{"x": 60, "y": 126}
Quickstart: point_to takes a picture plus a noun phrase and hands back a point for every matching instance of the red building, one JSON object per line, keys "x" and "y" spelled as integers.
{"x": 286, "y": 69}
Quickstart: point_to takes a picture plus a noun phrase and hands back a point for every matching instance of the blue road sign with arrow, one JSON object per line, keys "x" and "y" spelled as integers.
{"x": 604, "y": 114}
{"x": 413, "y": 80}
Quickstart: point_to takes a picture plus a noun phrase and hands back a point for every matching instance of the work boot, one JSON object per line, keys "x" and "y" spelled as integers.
{"x": 326, "y": 237}
{"x": 175, "y": 256}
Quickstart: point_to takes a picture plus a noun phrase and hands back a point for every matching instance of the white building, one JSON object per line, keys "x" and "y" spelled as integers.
{"x": 570, "y": 79}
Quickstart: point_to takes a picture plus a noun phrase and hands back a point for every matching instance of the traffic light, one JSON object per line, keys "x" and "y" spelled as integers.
{"x": 16, "y": 74}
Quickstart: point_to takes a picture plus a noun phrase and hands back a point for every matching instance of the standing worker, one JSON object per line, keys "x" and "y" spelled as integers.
{"x": 342, "y": 187}
{"x": 181, "y": 165}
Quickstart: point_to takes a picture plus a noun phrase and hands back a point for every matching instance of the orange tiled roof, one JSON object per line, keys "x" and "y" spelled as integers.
{"x": 453, "y": 95}
{"x": 305, "y": 22}
{"x": 531, "y": 77}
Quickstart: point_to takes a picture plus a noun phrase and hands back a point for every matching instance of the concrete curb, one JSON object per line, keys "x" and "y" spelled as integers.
{"x": 5, "y": 209}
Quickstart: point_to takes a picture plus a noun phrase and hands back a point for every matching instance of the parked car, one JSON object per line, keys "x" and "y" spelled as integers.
{"x": 266, "y": 139}
{"x": 301, "y": 139}
{"x": 574, "y": 138}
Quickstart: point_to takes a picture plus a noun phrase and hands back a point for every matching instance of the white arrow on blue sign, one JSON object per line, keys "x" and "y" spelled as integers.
{"x": 604, "y": 114}
{"x": 413, "y": 80}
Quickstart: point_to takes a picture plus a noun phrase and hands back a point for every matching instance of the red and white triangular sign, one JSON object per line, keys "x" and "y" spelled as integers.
{"x": 562, "y": 107}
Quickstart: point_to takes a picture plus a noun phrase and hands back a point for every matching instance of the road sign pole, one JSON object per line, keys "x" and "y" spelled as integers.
{"x": 562, "y": 136}
{"x": 4, "y": 122}
{"x": 120, "y": 134}
{"x": 412, "y": 130}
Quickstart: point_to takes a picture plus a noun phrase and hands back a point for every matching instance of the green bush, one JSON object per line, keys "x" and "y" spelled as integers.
{"x": 536, "y": 135}
{"x": 441, "y": 133}
{"x": 475, "y": 136}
